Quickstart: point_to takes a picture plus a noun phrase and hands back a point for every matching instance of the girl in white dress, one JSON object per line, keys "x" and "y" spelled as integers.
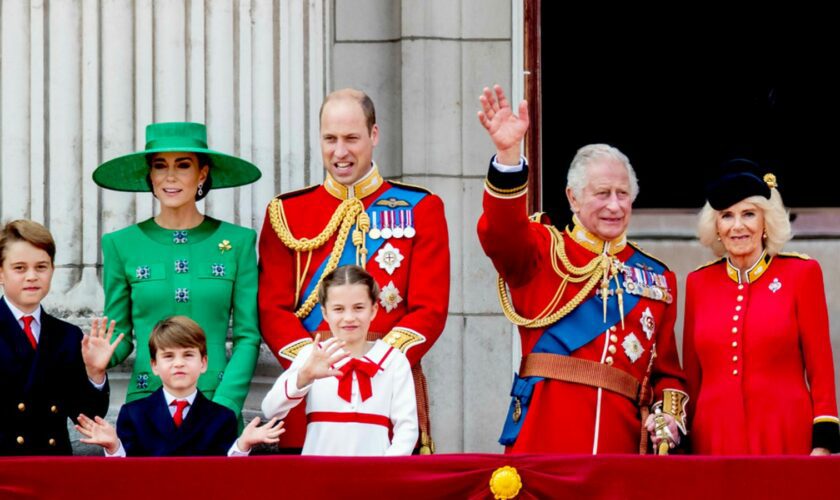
{"x": 359, "y": 394}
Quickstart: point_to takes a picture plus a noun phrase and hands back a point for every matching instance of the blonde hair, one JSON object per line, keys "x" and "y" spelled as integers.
{"x": 776, "y": 224}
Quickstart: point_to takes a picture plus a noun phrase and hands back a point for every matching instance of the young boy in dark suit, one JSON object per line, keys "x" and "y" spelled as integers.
{"x": 177, "y": 420}
{"x": 49, "y": 370}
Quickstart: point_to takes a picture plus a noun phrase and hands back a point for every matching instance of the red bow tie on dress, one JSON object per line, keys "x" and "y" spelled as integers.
{"x": 364, "y": 371}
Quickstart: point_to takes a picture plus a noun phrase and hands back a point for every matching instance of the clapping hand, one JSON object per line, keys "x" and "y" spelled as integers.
{"x": 99, "y": 432}
{"x": 506, "y": 130}
{"x": 254, "y": 433}
{"x": 321, "y": 361}
{"x": 97, "y": 348}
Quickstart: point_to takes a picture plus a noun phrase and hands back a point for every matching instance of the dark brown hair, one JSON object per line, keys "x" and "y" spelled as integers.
{"x": 177, "y": 332}
{"x": 29, "y": 231}
{"x": 348, "y": 275}
{"x": 203, "y": 160}
{"x": 357, "y": 95}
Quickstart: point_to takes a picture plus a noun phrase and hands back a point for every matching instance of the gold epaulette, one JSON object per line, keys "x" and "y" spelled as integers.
{"x": 639, "y": 249}
{"x": 290, "y": 351}
{"x": 403, "y": 339}
{"x": 412, "y": 187}
{"x": 795, "y": 254}
{"x": 296, "y": 192}
{"x": 710, "y": 263}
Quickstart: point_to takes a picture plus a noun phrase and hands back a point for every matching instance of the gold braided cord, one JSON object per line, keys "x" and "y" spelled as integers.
{"x": 343, "y": 219}
{"x": 592, "y": 273}
{"x": 348, "y": 209}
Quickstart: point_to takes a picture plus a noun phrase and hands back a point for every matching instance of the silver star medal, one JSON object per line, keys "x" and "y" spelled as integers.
{"x": 389, "y": 297}
{"x": 389, "y": 258}
{"x": 632, "y": 347}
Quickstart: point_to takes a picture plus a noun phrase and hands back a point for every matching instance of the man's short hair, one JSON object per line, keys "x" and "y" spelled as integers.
{"x": 177, "y": 332}
{"x": 29, "y": 231}
{"x": 578, "y": 171}
{"x": 357, "y": 95}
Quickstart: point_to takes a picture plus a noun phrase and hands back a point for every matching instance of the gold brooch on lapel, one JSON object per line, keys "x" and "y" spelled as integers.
{"x": 224, "y": 246}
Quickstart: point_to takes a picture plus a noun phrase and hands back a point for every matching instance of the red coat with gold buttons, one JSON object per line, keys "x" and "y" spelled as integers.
{"x": 751, "y": 351}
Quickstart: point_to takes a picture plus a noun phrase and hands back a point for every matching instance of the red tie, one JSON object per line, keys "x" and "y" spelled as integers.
{"x": 178, "y": 417}
{"x": 364, "y": 371}
{"x": 27, "y": 329}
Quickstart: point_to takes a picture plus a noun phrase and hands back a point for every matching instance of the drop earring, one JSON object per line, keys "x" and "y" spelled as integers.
{"x": 200, "y": 190}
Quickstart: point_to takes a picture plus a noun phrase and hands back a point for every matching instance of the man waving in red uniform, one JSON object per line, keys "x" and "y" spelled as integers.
{"x": 595, "y": 314}
{"x": 397, "y": 231}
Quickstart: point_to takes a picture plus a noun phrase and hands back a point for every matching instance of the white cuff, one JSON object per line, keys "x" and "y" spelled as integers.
{"x": 507, "y": 169}
{"x": 119, "y": 453}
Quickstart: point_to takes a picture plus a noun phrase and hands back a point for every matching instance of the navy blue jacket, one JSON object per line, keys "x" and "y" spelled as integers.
{"x": 40, "y": 389}
{"x": 146, "y": 428}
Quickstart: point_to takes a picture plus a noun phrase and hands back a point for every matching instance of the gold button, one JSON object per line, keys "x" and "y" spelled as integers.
{"x": 734, "y": 344}
{"x": 52, "y": 442}
{"x": 54, "y": 409}
{"x": 612, "y": 328}
{"x": 609, "y": 360}
{"x": 734, "y": 329}
{"x": 734, "y": 372}
{"x": 740, "y": 287}
{"x": 396, "y": 335}
{"x": 737, "y": 308}
{"x": 20, "y": 440}
{"x": 735, "y": 318}
{"x": 21, "y": 407}
{"x": 740, "y": 298}
{"x": 392, "y": 340}
{"x": 734, "y": 359}
{"x": 613, "y": 338}
{"x": 611, "y": 349}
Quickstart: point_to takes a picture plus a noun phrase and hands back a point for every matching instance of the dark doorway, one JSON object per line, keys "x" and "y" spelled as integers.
{"x": 681, "y": 96}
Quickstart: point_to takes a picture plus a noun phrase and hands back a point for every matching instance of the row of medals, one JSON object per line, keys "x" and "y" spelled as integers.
{"x": 398, "y": 231}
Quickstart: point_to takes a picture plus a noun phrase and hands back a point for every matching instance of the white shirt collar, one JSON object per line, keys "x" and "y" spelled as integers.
{"x": 18, "y": 314}
{"x": 170, "y": 398}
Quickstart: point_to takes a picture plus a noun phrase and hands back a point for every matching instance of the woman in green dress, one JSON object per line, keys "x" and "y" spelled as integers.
{"x": 182, "y": 262}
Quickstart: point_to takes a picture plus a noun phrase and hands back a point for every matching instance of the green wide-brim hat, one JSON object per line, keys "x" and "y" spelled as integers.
{"x": 128, "y": 173}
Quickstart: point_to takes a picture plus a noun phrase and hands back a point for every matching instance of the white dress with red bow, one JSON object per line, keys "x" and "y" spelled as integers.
{"x": 370, "y": 411}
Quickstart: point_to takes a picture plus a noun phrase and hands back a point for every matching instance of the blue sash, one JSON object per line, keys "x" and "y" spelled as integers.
{"x": 584, "y": 324}
{"x": 348, "y": 256}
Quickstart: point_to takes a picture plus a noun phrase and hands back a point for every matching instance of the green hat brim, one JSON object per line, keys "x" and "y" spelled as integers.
{"x": 128, "y": 173}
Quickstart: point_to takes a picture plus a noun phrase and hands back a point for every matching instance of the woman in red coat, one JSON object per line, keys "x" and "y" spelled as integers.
{"x": 757, "y": 352}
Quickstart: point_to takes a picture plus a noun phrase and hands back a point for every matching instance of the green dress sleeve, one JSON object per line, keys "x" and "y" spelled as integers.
{"x": 117, "y": 298}
{"x": 236, "y": 381}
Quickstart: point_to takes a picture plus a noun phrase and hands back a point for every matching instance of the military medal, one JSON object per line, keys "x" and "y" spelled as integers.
{"x": 386, "y": 225}
{"x": 389, "y": 258}
{"x": 648, "y": 323}
{"x": 775, "y": 285}
{"x": 632, "y": 347}
{"x": 389, "y": 297}
{"x": 374, "y": 228}
{"x": 409, "y": 229}
{"x": 398, "y": 230}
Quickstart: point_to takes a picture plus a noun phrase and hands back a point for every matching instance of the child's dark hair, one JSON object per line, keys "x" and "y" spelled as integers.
{"x": 177, "y": 332}
{"x": 29, "y": 231}
{"x": 348, "y": 275}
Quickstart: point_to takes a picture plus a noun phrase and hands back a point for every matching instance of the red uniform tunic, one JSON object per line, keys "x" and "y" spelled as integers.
{"x": 751, "y": 350}
{"x": 565, "y": 417}
{"x": 415, "y": 299}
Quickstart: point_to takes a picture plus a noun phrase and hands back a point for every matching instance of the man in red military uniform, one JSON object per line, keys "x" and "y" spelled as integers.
{"x": 595, "y": 314}
{"x": 397, "y": 231}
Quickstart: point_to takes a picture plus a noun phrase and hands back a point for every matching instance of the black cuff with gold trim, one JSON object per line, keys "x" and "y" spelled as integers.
{"x": 826, "y": 435}
{"x": 507, "y": 183}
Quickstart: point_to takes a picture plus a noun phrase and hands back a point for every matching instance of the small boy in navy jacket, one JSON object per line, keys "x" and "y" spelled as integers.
{"x": 177, "y": 420}
{"x": 49, "y": 370}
